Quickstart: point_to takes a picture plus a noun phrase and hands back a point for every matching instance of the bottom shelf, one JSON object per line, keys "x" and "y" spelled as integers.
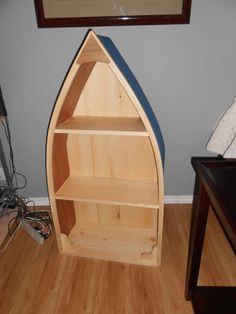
{"x": 113, "y": 243}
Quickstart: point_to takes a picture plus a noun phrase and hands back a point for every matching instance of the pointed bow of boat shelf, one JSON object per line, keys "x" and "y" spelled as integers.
{"x": 105, "y": 158}
{"x": 131, "y": 79}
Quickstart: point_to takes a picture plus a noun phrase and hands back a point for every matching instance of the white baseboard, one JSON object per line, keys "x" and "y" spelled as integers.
{"x": 178, "y": 199}
{"x": 169, "y": 199}
{"x": 39, "y": 201}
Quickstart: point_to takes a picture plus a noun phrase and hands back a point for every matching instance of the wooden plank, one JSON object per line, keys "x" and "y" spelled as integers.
{"x": 66, "y": 215}
{"x": 103, "y": 125}
{"x": 128, "y": 216}
{"x": 119, "y": 157}
{"x": 109, "y": 191}
{"x": 60, "y": 161}
{"x": 104, "y": 95}
{"x": 109, "y": 242}
{"x": 72, "y": 95}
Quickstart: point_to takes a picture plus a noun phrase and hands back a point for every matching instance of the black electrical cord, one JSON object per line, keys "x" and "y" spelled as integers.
{"x": 10, "y": 202}
{"x": 40, "y": 220}
{"x": 12, "y": 167}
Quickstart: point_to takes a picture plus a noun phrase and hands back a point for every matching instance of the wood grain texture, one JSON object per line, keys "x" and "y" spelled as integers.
{"x": 113, "y": 243}
{"x": 60, "y": 166}
{"x": 104, "y": 95}
{"x": 66, "y": 217}
{"x": 71, "y": 96}
{"x": 109, "y": 191}
{"x": 129, "y": 216}
{"x": 37, "y": 279}
{"x": 106, "y": 160}
{"x": 103, "y": 125}
{"x": 119, "y": 157}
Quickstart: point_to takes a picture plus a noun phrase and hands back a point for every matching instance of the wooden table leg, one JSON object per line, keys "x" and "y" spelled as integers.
{"x": 200, "y": 209}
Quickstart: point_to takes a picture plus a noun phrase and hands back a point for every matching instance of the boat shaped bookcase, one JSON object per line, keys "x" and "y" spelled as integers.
{"x": 105, "y": 156}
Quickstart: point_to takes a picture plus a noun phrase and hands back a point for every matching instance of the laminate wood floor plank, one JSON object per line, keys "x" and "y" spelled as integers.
{"x": 37, "y": 279}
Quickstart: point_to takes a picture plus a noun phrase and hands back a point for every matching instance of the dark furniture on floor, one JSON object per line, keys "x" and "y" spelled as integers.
{"x": 215, "y": 185}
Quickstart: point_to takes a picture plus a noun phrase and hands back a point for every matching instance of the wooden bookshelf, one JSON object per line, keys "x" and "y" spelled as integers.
{"x": 104, "y": 163}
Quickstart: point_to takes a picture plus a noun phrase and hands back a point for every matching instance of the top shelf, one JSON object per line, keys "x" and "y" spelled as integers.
{"x": 103, "y": 125}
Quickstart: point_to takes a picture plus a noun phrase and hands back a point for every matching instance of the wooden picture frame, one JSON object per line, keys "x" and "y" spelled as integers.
{"x": 81, "y": 13}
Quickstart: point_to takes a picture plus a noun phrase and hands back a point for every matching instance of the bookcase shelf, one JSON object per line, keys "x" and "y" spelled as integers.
{"x": 103, "y": 125}
{"x": 105, "y": 157}
{"x": 114, "y": 243}
{"x": 109, "y": 191}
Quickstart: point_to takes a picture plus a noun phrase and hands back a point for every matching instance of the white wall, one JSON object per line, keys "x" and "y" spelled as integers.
{"x": 188, "y": 73}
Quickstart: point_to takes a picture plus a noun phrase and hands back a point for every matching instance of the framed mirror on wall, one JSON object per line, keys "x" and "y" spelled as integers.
{"x": 75, "y": 13}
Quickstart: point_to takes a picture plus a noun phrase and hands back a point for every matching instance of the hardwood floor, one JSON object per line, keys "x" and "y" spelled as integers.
{"x": 37, "y": 279}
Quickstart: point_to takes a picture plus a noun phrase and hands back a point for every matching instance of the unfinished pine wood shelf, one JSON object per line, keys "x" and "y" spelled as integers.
{"x": 105, "y": 155}
{"x": 103, "y": 125}
{"x": 109, "y": 191}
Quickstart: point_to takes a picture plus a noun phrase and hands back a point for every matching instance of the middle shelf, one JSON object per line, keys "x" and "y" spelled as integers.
{"x": 109, "y": 191}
